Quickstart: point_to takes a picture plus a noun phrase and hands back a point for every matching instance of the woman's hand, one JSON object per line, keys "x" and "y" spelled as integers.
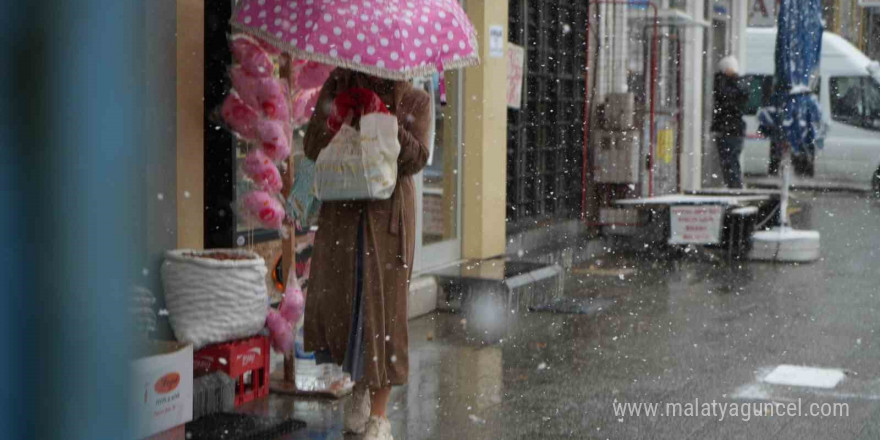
{"x": 368, "y": 101}
{"x": 342, "y": 111}
{"x": 351, "y": 104}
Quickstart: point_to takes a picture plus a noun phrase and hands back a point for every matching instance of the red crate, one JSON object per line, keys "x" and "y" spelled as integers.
{"x": 245, "y": 360}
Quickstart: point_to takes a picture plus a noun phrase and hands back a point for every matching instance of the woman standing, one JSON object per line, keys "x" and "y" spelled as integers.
{"x": 356, "y": 313}
{"x": 728, "y": 127}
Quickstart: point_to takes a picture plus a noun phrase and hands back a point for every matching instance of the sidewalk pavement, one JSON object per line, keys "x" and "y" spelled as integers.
{"x": 677, "y": 330}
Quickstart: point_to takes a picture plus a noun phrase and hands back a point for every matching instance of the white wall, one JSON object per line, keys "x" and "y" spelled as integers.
{"x": 738, "y": 22}
{"x": 692, "y": 71}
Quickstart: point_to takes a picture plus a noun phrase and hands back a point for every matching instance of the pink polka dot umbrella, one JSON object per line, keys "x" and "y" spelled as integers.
{"x": 393, "y": 39}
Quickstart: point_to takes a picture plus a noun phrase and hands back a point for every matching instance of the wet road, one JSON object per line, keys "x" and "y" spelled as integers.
{"x": 679, "y": 329}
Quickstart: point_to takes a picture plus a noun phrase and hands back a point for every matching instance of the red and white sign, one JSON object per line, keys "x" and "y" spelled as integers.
{"x": 695, "y": 224}
{"x": 515, "y": 60}
{"x": 161, "y": 388}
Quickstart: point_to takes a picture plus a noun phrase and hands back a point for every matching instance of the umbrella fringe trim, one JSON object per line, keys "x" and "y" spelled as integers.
{"x": 381, "y": 72}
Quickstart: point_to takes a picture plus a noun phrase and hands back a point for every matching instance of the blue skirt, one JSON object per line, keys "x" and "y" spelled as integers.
{"x": 353, "y": 363}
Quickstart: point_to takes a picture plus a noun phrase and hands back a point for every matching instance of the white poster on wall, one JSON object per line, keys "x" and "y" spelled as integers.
{"x": 515, "y": 60}
{"x": 496, "y": 41}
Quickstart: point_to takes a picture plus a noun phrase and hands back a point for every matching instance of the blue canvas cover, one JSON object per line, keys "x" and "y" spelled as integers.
{"x": 795, "y": 116}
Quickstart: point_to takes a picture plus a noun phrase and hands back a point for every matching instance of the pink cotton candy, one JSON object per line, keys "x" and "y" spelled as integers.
{"x": 246, "y": 86}
{"x": 269, "y": 48}
{"x": 309, "y": 74}
{"x": 304, "y": 103}
{"x": 265, "y": 209}
{"x": 273, "y": 139}
{"x": 262, "y": 171}
{"x": 241, "y": 118}
{"x": 280, "y": 331}
{"x": 281, "y": 322}
{"x": 252, "y": 56}
{"x": 293, "y": 304}
{"x": 273, "y": 95}
{"x": 267, "y": 95}
{"x": 306, "y": 79}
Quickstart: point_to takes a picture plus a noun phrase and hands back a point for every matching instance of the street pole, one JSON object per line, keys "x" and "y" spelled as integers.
{"x": 786, "y": 183}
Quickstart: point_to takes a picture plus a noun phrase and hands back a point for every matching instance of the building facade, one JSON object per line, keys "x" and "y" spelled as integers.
{"x": 502, "y": 178}
{"x": 858, "y": 21}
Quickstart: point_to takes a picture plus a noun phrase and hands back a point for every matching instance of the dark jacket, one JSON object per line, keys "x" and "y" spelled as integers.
{"x": 730, "y": 97}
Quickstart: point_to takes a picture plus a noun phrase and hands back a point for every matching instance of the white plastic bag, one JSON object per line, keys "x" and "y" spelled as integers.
{"x": 360, "y": 165}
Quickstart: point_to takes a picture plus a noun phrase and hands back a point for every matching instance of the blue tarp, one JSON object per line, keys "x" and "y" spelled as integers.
{"x": 795, "y": 116}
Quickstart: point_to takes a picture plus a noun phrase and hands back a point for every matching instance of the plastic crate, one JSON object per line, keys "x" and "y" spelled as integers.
{"x": 245, "y": 360}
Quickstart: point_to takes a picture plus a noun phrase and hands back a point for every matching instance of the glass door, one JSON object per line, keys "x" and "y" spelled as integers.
{"x": 438, "y": 185}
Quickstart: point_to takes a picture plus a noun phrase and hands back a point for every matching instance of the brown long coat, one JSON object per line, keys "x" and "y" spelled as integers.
{"x": 389, "y": 233}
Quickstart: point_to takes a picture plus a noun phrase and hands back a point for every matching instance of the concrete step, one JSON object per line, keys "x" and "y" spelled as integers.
{"x": 423, "y": 292}
{"x": 491, "y": 294}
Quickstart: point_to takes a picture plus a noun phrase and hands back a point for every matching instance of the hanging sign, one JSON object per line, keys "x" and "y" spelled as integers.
{"x": 695, "y": 224}
{"x": 496, "y": 41}
{"x": 515, "y": 59}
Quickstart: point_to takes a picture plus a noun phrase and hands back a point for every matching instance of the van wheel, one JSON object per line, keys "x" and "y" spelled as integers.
{"x": 875, "y": 184}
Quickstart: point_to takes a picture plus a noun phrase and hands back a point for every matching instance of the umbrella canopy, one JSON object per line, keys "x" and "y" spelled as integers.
{"x": 393, "y": 39}
{"x": 795, "y": 116}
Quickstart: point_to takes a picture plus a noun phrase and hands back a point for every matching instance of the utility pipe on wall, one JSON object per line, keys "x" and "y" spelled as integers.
{"x": 602, "y": 5}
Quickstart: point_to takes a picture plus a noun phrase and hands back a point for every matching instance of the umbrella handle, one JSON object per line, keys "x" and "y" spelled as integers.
{"x": 442, "y": 87}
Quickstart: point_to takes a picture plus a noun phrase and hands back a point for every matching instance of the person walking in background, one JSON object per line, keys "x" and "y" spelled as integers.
{"x": 356, "y": 312}
{"x": 728, "y": 128}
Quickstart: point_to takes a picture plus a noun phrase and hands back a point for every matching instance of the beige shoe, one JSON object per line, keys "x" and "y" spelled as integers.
{"x": 357, "y": 410}
{"x": 378, "y": 428}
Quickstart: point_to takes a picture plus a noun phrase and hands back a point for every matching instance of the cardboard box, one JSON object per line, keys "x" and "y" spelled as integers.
{"x": 162, "y": 388}
{"x": 177, "y": 433}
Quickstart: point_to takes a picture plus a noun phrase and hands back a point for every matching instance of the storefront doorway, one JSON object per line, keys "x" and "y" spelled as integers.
{"x": 438, "y": 206}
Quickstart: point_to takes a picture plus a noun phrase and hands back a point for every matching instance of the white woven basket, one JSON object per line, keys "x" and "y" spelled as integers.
{"x": 210, "y": 300}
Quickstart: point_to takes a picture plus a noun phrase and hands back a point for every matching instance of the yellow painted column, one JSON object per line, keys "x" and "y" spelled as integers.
{"x": 484, "y": 102}
{"x": 190, "y": 123}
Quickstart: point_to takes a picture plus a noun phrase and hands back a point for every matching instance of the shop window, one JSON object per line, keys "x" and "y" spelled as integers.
{"x": 855, "y": 100}
{"x": 760, "y": 88}
{"x": 760, "y": 91}
{"x": 440, "y": 176}
{"x": 545, "y": 137}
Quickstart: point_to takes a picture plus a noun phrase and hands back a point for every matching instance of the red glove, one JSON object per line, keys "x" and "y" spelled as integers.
{"x": 368, "y": 101}
{"x": 342, "y": 109}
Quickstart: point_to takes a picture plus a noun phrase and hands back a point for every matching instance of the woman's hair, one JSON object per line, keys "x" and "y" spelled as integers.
{"x": 379, "y": 83}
